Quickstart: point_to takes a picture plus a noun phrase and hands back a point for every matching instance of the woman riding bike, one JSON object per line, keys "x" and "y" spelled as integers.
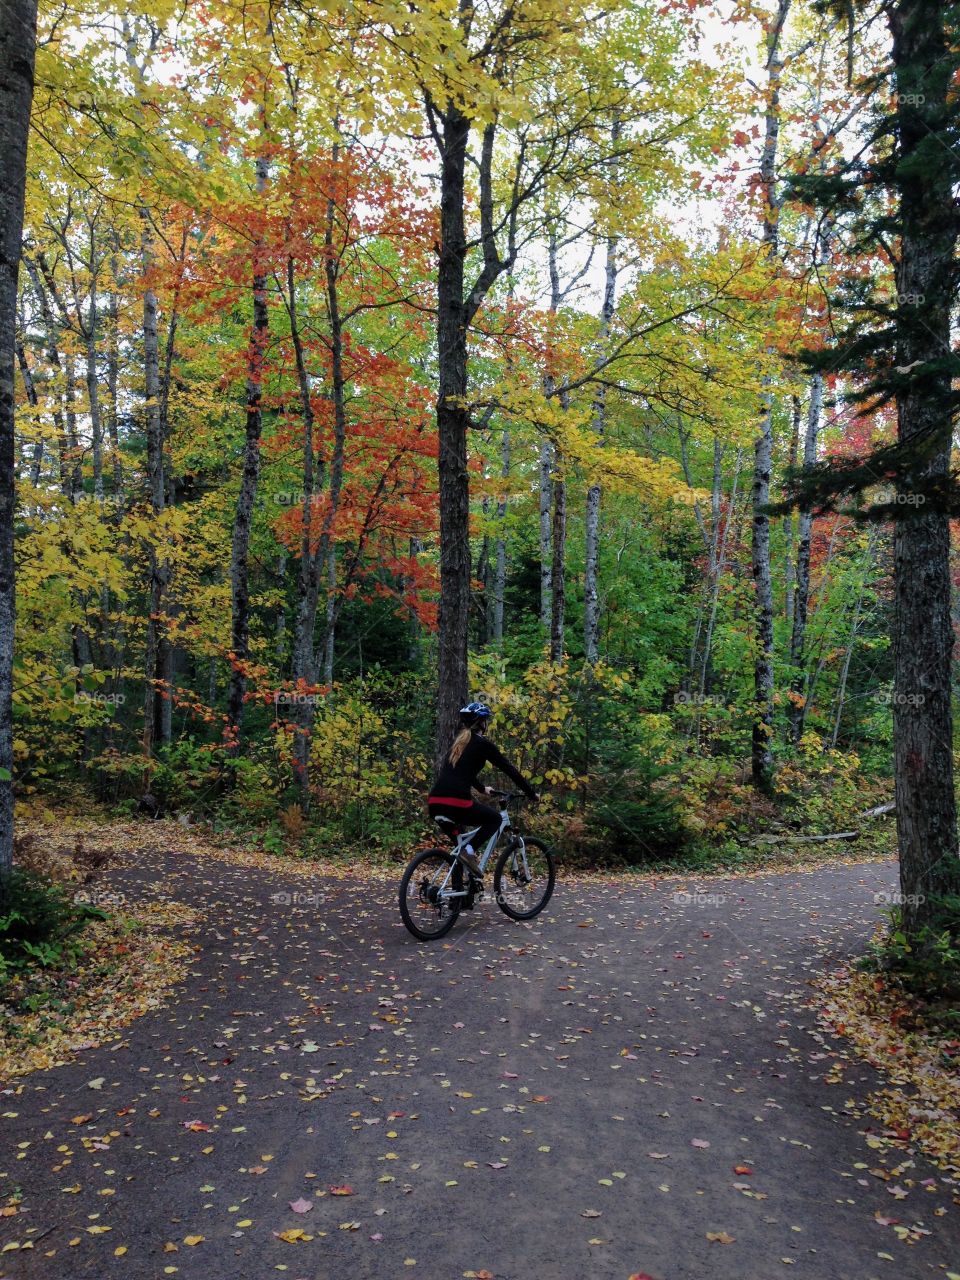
{"x": 450, "y": 795}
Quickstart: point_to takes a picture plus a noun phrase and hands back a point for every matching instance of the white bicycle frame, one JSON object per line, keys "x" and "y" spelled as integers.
{"x": 464, "y": 838}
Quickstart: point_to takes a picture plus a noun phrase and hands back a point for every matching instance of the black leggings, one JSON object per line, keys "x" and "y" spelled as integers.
{"x": 478, "y": 815}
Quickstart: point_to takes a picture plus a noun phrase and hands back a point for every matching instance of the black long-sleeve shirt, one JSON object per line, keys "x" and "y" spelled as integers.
{"x": 457, "y": 779}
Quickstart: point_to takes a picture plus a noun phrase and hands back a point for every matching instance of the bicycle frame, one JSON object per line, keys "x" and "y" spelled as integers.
{"x": 464, "y": 838}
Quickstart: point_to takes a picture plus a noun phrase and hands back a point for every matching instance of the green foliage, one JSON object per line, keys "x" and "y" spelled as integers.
{"x": 40, "y": 924}
{"x": 927, "y": 962}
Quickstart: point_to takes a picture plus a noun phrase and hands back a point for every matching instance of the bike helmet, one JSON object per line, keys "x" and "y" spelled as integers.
{"x": 475, "y": 715}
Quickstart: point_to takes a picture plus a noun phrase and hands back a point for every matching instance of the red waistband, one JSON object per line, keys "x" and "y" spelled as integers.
{"x": 457, "y": 802}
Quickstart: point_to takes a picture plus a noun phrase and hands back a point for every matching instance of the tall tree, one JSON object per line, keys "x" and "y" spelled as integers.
{"x": 249, "y": 477}
{"x": 925, "y": 64}
{"x": 18, "y": 39}
{"x": 761, "y": 758}
{"x": 895, "y": 201}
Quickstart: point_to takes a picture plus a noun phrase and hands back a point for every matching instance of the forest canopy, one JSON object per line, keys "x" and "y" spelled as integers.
{"x": 373, "y": 357}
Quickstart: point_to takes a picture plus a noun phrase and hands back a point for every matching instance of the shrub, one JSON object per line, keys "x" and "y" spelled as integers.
{"x": 928, "y": 963}
{"x": 40, "y": 924}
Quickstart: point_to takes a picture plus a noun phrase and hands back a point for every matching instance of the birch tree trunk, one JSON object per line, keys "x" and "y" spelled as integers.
{"x": 789, "y": 529}
{"x": 558, "y": 602}
{"x": 796, "y": 713}
{"x": 545, "y": 474}
{"x": 18, "y": 34}
{"x": 761, "y": 759}
{"x": 591, "y": 589}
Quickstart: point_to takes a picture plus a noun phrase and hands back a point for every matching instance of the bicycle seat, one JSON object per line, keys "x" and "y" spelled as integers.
{"x": 447, "y": 823}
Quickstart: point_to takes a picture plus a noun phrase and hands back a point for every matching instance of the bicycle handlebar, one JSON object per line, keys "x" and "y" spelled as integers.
{"x": 509, "y": 796}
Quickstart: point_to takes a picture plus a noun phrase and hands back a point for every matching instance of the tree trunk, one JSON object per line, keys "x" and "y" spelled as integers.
{"x": 93, "y": 384}
{"x": 452, "y": 422}
{"x": 240, "y": 548}
{"x": 547, "y": 452}
{"x": 796, "y": 713}
{"x": 326, "y": 550}
{"x": 52, "y": 355}
{"x": 500, "y": 558}
{"x": 761, "y": 756}
{"x": 789, "y": 529}
{"x": 545, "y": 472}
{"x": 280, "y": 622}
{"x": 330, "y": 629}
{"x": 485, "y": 577}
{"x": 18, "y": 28}
{"x": 923, "y": 634}
{"x": 558, "y": 604}
{"x": 308, "y": 578}
{"x": 854, "y": 628}
{"x": 711, "y": 539}
{"x": 36, "y": 467}
{"x": 113, "y": 380}
{"x": 591, "y": 573}
{"x": 718, "y": 575}
{"x": 153, "y": 428}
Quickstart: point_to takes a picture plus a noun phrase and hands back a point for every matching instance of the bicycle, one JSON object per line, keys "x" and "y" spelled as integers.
{"x": 436, "y": 885}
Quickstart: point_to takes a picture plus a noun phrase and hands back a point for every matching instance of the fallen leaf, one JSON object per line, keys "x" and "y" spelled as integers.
{"x": 292, "y": 1235}
{"x": 720, "y": 1237}
{"x": 301, "y": 1205}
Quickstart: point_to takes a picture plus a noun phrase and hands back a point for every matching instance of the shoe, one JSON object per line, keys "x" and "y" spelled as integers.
{"x": 469, "y": 860}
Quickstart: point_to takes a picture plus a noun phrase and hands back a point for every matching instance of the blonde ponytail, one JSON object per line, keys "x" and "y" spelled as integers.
{"x": 459, "y": 743}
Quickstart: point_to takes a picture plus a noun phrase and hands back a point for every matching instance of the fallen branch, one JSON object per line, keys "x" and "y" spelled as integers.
{"x": 781, "y": 839}
{"x": 880, "y": 810}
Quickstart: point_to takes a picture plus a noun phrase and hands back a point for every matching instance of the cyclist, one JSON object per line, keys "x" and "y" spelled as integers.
{"x": 450, "y": 795}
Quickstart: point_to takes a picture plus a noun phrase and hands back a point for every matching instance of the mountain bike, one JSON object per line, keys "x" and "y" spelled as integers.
{"x": 437, "y": 885}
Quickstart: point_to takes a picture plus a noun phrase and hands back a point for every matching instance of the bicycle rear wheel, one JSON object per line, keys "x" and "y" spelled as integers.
{"x": 524, "y": 879}
{"x": 426, "y": 910}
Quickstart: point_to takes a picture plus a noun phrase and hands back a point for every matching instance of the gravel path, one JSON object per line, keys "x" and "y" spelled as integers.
{"x": 632, "y": 1085}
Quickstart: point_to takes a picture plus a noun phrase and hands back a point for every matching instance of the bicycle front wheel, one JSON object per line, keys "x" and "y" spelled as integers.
{"x": 524, "y": 879}
{"x": 425, "y": 905}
